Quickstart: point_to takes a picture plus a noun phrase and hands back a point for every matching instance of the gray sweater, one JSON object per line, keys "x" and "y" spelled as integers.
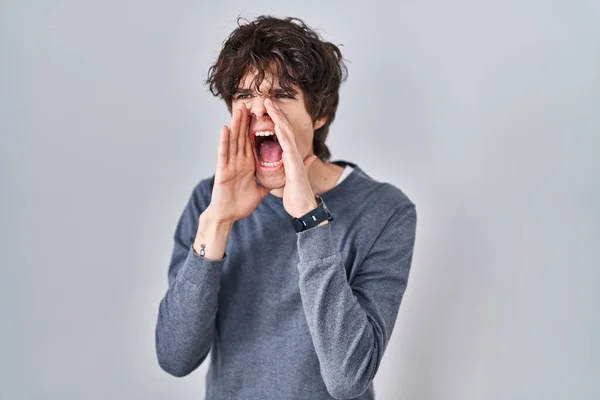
{"x": 287, "y": 315}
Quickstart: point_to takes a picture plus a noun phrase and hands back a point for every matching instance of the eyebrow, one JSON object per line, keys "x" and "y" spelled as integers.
{"x": 242, "y": 91}
{"x": 283, "y": 91}
{"x": 273, "y": 91}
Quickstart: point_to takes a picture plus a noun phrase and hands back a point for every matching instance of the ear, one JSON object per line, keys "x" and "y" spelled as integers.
{"x": 319, "y": 123}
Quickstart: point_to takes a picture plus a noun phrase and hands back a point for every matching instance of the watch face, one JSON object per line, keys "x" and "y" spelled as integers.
{"x": 330, "y": 217}
{"x": 326, "y": 209}
{"x": 298, "y": 225}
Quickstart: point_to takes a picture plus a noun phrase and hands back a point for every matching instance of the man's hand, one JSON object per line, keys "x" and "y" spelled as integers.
{"x": 236, "y": 194}
{"x": 298, "y": 196}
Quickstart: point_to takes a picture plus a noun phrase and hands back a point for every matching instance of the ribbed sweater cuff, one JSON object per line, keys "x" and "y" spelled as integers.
{"x": 200, "y": 271}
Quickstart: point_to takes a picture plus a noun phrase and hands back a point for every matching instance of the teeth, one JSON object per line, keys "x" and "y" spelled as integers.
{"x": 270, "y": 164}
{"x": 264, "y": 133}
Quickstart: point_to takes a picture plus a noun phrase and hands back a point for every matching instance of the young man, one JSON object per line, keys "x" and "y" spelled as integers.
{"x": 289, "y": 268}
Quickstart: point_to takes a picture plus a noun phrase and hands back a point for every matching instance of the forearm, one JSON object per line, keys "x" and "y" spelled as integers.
{"x": 351, "y": 323}
{"x": 186, "y": 320}
{"x": 347, "y": 343}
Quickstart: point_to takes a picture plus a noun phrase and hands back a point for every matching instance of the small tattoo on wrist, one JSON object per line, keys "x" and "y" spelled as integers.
{"x": 202, "y": 250}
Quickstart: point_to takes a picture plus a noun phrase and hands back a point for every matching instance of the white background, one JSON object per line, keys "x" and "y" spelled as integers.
{"x": 486, "y": 113}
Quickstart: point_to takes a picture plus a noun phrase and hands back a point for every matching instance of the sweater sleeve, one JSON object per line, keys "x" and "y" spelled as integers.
{"x": 351, "y": 322}
{"x": 186, "y": 316}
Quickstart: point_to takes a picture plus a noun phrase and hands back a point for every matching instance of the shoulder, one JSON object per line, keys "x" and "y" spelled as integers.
{"x": 380, "y": 196}
{"x": 392, "y": 197}
{"x": 365, "y": 207}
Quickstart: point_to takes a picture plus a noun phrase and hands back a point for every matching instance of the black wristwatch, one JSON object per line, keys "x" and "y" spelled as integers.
{"x": 313, "y": 218}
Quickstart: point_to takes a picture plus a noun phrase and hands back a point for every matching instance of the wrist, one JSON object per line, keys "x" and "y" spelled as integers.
{"x": 317, "y": 216}
{"x": 211, "y": 237}
{"x": 211, "y": 219}
{"x": 309, "y": 205}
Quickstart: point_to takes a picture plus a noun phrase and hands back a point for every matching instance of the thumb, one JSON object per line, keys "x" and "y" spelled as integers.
{"x": 308, "y": 161}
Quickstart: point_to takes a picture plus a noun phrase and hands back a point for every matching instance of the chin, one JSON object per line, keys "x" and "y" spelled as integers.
{"x": 271, "y": 181}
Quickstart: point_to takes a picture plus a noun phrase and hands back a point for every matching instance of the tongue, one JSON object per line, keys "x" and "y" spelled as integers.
{"x": 270, "y": 151}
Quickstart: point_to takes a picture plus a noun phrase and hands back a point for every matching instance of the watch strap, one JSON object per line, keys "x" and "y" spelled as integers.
{"x": 313, "y": 218}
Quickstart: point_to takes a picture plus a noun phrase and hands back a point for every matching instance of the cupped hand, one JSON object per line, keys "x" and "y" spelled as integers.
{"x": 298, "y": 196}
{"x": 236, "y": 193}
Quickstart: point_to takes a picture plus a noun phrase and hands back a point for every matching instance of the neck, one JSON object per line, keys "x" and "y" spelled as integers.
{"x": 322, "y": 176}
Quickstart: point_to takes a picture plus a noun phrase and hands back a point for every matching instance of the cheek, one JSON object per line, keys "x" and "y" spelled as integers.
{"x": 306, "y": 145}
{"x": 304, "y": 136}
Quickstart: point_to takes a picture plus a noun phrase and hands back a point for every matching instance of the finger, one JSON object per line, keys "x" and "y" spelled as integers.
{"x": 243, "y": 134}
{"x": 284, "y": 133}
{"x": 223, "y": 148}
{"x": 233, "y": 134}
{"x": 277, "y": 115}
{"x": 292, "y": 160}
{"x": 286, "y": 144}
{"x": 248, "y": 151}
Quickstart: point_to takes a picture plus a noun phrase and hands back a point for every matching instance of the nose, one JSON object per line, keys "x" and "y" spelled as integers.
{"x": 257, "y": 107}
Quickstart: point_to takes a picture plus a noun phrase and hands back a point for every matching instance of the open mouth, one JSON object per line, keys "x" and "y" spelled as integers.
{"x": 267, "y": 148}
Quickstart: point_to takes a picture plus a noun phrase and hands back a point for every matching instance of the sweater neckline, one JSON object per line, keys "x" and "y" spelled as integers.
{"x": 331, "y": 193}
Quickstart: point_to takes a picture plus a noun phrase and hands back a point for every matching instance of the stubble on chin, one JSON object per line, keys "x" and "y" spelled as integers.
{"x": 271, "y": 182}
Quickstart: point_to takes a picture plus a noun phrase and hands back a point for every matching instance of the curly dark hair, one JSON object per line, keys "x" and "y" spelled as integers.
{"x": 290, "y": 50}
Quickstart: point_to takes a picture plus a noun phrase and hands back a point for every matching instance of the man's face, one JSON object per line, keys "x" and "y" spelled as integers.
{"x": 267, "y": 152}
